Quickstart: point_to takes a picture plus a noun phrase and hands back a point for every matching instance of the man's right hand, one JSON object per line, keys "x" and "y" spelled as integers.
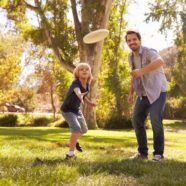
{"x": 130, "y": 98}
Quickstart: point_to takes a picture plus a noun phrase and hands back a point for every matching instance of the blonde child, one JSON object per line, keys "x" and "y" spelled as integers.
{"x": 71, "y": 106}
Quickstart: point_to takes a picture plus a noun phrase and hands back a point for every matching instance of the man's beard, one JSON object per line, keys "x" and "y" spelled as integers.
{"x": 135, "y": 49}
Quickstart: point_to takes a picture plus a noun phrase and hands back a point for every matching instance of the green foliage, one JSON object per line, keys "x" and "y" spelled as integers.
{"x": 8, "y": 120}
{"x": 48, "y": 78}
{"x": 25, "y": 119}
{"x": 179, "y": 72}
{"x": 41, "y": 121}
{"x": 36, "y": 35}
{"x": 63, "y": 79}
{"x": 25, "y": 97}
{"x": 60, "y": 123}
{"x": 92, "y": 11}
{"x": 172, "y": 15}
{"x": 165, "y": 12}
{"x": 51, "y": 15}
{"x": 16, "y": 9}
{"x": 10, "y": 65}
{"x": 53, "y": 79}
{"x": 174, "y": 90}
{"x": 115, "y": 77}
{"x": 10, "y": 53}
{"x": 21, "y": 120}
{"x": 105, "y": 105}
{"x": 175, "y": 108}
{"x": 118, "y": 123}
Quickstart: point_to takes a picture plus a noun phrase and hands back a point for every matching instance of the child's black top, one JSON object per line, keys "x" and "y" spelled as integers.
{"x": 72, "y": 102}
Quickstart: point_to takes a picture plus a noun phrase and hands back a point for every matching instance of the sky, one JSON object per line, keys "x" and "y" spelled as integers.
{"x": 151, "y": 37}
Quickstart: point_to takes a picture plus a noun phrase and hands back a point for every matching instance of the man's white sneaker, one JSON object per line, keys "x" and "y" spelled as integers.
{"x": 157, "y": 158}
{"x": 139, "y": 156}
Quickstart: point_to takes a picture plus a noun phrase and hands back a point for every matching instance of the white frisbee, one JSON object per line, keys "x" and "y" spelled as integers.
{"x": 95, "y": 36}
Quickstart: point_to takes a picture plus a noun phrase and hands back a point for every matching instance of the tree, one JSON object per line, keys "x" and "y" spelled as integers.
{"x": 47, "y": 82}
{"x": 52, "y": 79}
{"x": 10, "y": 66}
{"x": 53, "y": 31}
{"x": 172, "y": 15}
{"x": 25, "y": 97}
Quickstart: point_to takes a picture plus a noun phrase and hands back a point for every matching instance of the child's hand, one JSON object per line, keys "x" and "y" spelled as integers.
{"x": 82, "y": 96}
{"x": 92, "y": 104}
{"x": 84, "y": 93}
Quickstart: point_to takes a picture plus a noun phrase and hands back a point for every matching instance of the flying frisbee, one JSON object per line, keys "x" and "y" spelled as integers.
{"x": 95, "y": 36}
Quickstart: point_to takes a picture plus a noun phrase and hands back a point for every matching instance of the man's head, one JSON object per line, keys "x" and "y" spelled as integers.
{"x": 133, "y": 39}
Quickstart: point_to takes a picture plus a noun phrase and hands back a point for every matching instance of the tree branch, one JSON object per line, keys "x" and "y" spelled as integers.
{"x": 120, "y": 27}
{"x": 105, "y": 17}
{"x": 76, "y": 21}
{"x": 67, "y": 65}
{"x": 34, "y": 8}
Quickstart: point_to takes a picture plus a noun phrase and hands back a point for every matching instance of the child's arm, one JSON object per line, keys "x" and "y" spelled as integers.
{"x": 89, "y": 102}
{"x": 79, "y": 94}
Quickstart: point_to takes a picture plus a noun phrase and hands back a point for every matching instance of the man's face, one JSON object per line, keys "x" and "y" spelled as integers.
{"x": 133, "y": 42}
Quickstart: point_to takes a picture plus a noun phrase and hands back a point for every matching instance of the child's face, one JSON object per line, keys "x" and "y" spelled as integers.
{"x": 84, "y": 72}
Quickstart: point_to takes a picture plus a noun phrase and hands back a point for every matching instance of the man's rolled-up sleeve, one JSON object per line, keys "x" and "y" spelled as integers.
{"x": 153, "y": 55}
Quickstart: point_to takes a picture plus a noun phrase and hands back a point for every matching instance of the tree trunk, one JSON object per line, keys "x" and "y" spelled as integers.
{"x": 91, "y": 53}
{"x": 52, "y": 101}
{"x": 93, "y": 58}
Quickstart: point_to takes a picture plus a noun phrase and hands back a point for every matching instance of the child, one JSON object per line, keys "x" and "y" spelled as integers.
{"x": 71, "y": 106}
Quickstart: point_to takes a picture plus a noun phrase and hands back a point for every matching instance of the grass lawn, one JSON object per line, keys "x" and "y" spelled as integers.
{"x": 105, "y": 160}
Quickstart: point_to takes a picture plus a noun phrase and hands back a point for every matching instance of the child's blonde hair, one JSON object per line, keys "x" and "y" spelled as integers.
{"x": 76, "y": 71}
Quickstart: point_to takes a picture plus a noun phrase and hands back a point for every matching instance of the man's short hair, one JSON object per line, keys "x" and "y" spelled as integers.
{"x": 132, "y": 32}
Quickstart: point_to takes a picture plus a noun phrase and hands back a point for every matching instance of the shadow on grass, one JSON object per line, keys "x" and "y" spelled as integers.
{"x": 39, "y": 134}
{"x": 45, "y": 134}
{"x": 124, "y": 141}
{"x": 129, "y": 167}
{"x": 27, "y": 130}
{"x": 30, "y": 132}
{"x": 38, "y": 162}
{"x": 168, "y": 169}
{"x": 177, "y": 125}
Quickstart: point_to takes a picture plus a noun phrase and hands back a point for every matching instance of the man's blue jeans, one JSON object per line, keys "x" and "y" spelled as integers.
{"x": 141, "y": 110}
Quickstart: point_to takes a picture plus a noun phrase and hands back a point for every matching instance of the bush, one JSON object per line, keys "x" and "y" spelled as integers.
{"x": 175, "y": 108}
{"x": 42, "y": 121}
{"x": 8, "y": 120}
{"x": 25, "y": 120}
{"x": 59, "y": 122}
{"x": 22, "y": 120}
{"x": 118, "y": 123}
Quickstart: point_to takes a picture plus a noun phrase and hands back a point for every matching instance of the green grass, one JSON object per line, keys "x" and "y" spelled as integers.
{"x": 105, "y": 161}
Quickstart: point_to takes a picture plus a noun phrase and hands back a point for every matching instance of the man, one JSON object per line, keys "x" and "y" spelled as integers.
{"x": 150, "y": 84}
